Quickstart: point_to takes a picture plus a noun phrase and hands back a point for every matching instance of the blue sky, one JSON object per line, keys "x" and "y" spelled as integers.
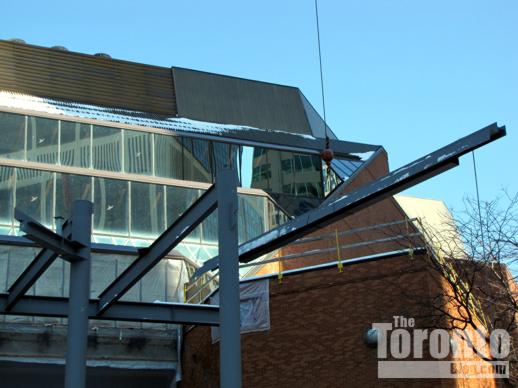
{"x": 409, "y": 75}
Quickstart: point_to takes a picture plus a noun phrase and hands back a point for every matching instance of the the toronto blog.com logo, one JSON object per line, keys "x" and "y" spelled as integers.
{"x": 405, "y": 351}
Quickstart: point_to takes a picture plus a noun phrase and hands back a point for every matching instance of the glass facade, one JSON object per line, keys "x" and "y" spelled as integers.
{"x": 92, "y": 162}
{"x": 87, "y": 161}
{"x": 125, "y": 212}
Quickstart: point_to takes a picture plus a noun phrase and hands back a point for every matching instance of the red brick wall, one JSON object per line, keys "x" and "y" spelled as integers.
{"x": 317, "y": 324}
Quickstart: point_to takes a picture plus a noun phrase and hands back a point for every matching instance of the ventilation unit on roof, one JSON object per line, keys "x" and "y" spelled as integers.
{"x": 17, "y": 40}
{"x": 60, "y": 48}
{"x": 103, "y": 55}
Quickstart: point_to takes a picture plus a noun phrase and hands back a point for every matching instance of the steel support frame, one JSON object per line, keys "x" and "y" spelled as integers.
{"x": 229, "y": 299}
{"x": 150, "y": 256}
{"x": 285, "y": 141}
{"x": 173, "y": 313}
{"x": 34, "y": 270}
{"x": 77, "y": 250}
{"x": 394, "y": 182}
{"x": 79, "y": 296}
{"x": 65, "y": 247}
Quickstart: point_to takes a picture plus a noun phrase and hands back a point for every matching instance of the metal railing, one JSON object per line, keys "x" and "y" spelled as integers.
{"x": 407, "y": 233}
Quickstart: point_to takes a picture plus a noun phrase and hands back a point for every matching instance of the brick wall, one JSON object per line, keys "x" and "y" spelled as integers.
{"x": 317, "y": 324}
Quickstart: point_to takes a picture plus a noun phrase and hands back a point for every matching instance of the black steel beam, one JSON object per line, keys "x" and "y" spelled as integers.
{"x": 394, "y": 182}
{"x": 34, "y": 270}
{"x": 45, "y": 237}
{"x": 180, "y": 313}
{"x": 20, "y": 241}
{"x": 150, "y": 256}
{"x": 284, "y": 141}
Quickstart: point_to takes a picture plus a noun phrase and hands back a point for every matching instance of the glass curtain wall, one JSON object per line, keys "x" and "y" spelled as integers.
{"x": 297, "y": 182}
{"x": 125, "y": 212}
{"x": 118, "y": 150}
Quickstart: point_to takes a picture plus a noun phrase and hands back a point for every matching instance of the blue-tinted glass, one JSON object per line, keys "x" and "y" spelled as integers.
{"x": 12, "y": 128}
{"x": 137, "y": 152}
{"x": 210, "y": 229}
{"x": 34, "y": 192}
{"x": 107, "y": 149}
{"x": 7, "y": 178}
{"x": 196, "y": 161}
{"x": 70, "y": 188}
{"x": 251, "y": 217}
{"x": 42, "y": 140}
{"x": 75, "y": 144}
{"x": 147, "y": 209}
{"x": 168, "y": 157}
{"x": 226, "y": 155}
{"x": 111, "y": 206}
{"x": 179, "y": 199}
{"x": 287, "y": 173}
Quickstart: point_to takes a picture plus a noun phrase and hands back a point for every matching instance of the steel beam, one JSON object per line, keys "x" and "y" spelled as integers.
{"x": 34, "y": 270}
{"x": 394, "y": 182}
{"x": 177, "y": 313}
{"x": 150, "y": 256}
{"x": 20, "y": 241}
{"x": 77, "y": 334}
{"x": 46, "y": 238}
{"x": 284, "y": 141}
{"x": 229, "y": 301}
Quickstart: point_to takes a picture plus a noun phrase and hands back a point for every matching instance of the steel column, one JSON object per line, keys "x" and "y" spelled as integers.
{"x": 229, "y": 304}
{"x": 79, "y": 298}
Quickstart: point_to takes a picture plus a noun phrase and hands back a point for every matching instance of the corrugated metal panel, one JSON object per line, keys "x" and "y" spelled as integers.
{"x": 85, "y": 78}
{"x": 230, "y": 100}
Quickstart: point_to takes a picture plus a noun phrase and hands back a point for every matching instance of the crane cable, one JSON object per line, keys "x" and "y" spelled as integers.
{"x": 327, "y": 153}
{"x": 321, "y": 74}
{"x": 478, "y": 206}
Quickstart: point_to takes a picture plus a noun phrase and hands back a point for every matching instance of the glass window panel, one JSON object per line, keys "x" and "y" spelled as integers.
{"x": 137, "y": 152}
{"x": 42, "y": 140}
{"x": 12, "y": 128}
{"x": 178, "y": 200}
{"x": 75, "y": 144}
{"x": 111, "y": 206}
{"x": 251, "y": 216}
{"x": 7, "y": 179}
{"x": 226, "y": 155}
{"x": 70, "y": 188}
{"x": 196, "y": 162}
{"x": 147, "y": 209}
{"x": 168, "y": 157}
{"x": 210, "y": 229}
{"x": 34, "y": 192}
{"x": 107, "y": 149}
{"x": 221, "y": 155}
{"x": 287, "y": 173}
{"x": 203, "y": 254}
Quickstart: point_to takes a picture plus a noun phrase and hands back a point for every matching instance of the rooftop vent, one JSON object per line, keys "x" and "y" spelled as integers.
{"x": 103, "y": 55}
{"x": 60, "y": 48}
{"x": 17, "y": 40}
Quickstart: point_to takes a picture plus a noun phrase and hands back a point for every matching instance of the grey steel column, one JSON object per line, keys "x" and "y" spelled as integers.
{"x": 75, "y": 370}
{"x": 229, "y": 316}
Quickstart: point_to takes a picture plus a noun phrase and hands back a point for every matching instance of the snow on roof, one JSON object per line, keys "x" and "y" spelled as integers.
{"x": 15, "y": 100}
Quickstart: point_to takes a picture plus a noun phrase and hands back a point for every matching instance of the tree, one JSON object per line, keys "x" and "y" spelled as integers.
{"x": 473, "y": 258}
